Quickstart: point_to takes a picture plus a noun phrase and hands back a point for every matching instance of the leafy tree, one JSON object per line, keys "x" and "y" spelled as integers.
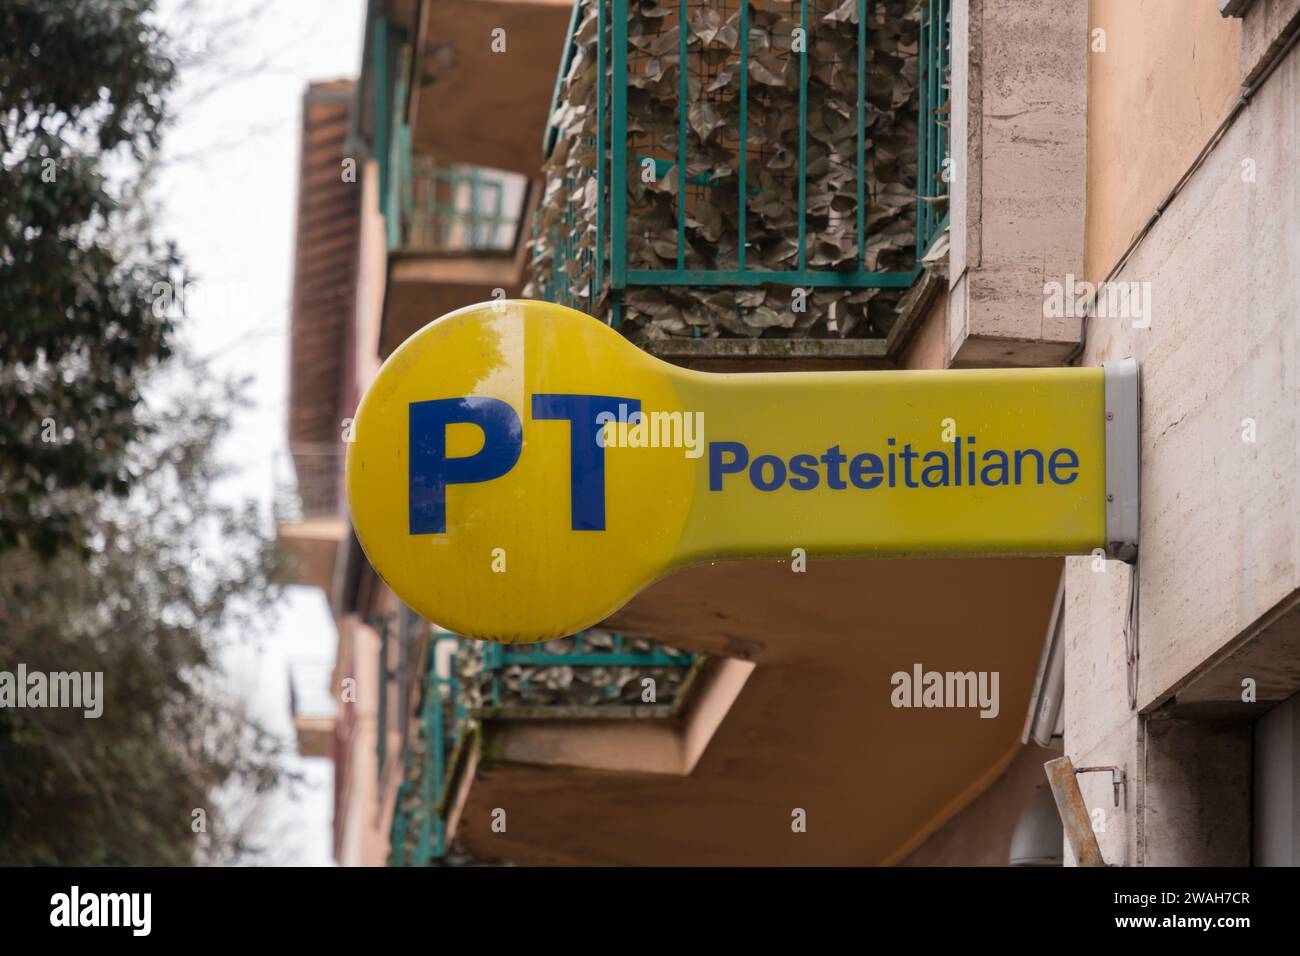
{"x": 170, "y": 569}
{"x": 82, "y": 104}
{"x": 116, "y": 556}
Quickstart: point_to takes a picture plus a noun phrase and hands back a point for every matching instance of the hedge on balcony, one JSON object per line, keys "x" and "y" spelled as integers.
{"x": 564, "y": 244}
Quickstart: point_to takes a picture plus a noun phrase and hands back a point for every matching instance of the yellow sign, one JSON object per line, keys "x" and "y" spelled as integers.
{"x": 520, "y": 470}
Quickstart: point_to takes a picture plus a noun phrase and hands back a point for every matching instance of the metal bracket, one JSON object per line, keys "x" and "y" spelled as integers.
{"x": 1123, "y": 458}
{"x": 1117, "y": 777}
{"x": 1073, "y": 812}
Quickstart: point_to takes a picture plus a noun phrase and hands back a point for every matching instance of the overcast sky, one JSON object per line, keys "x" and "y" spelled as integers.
{"x": 227, "y": 194}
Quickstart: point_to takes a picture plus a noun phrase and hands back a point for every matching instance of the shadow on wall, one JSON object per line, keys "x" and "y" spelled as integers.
{"x": 981, "y": 835}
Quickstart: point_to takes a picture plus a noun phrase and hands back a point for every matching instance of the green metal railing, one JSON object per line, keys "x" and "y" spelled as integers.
{"x": 430, "y": 206}
{"x": 621, "y": 152}
{"x": 454, "y": 208}
{"x": 501, "y": 657}
{"x": 570, "y": 258}
{"x": 933, "y": 128}
{"x": 416, "y": 814}
{"x": 742, "y": 272}
{"x": 451, "y": 703}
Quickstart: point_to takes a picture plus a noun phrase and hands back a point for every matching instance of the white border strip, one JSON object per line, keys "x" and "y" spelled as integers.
{"x": 1123, "y": 458}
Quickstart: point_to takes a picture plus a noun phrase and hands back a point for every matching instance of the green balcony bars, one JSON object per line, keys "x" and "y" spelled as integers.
{"x": 465, "y": 679}
{"x": 449, "y": 207}
{"x": 428, "y": 206}
{"x": 933, "y": 129}
{"x": 789, "y": 152}
{"x": 455, "y": 208}
{"x": 524, "y": 677}
{"x": 418, "y": 835}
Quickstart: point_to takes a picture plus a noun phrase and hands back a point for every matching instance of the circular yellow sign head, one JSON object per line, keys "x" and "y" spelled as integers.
{"x": 481, "y": 484}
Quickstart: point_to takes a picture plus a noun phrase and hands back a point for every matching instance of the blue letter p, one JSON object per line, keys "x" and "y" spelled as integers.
{"x": 431, "y": 471}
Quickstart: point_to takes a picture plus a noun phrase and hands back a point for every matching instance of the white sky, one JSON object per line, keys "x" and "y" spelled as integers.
{"x": 227, "y": 194}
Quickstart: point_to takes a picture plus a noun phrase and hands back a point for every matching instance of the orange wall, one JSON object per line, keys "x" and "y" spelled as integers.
{"x": 1165, "y": 81}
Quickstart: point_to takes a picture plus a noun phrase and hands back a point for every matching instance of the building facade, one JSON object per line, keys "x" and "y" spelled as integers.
{"x": 873, "y": 184}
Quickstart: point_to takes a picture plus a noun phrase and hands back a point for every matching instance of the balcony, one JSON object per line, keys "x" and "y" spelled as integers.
{"x": 579, "y": 701}
{"x": 309, "y": 514}
{"x": 452, "y": 229}
{"x": 312, "y": 708}
{"x": 457, "y": 208}
{"x": 307, "y": 479}
{"x": 757, "y": 195}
